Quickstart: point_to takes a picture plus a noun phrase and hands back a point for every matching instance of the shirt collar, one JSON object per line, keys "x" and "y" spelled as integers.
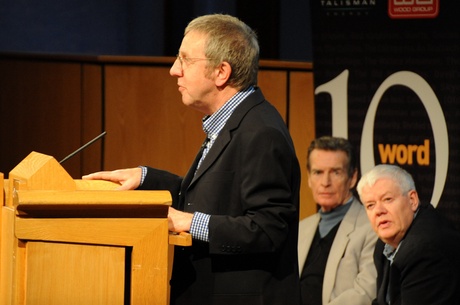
{"x": 341, "y": 210}
{"x": 213, "y": 124}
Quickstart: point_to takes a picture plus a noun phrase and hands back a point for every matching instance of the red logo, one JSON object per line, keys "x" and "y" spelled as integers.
{"x": 404, "y": 9}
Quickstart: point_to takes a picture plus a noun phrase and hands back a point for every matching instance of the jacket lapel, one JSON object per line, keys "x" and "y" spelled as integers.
{"x": 219, "y": 145}
{"x": 307, "y": 230}
{"x": 190, "y": 175}
{"x": 339, "y": 247}
{"x": 225, "y": 135}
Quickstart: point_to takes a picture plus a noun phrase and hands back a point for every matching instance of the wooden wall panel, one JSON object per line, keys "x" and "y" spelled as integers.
{"x": 146, "y": 121}
{"x": 273, "y": 85}
{"x": 39, "y": 111}
{"x": 302, "y": 129}
{"x": 92, "y": 115}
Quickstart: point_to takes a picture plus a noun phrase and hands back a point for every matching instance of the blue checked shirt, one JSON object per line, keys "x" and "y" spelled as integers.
{"x": 212, "y": 126}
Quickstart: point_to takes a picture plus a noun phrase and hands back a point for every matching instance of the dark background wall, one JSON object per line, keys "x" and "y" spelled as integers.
{"x": 146, "y": 27}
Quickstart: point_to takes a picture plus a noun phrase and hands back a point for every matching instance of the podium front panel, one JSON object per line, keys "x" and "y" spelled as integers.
{"x": 74, "y": 274}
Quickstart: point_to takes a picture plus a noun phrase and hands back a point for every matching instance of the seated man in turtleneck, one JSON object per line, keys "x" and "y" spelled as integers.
{"x": 336, "y": 244}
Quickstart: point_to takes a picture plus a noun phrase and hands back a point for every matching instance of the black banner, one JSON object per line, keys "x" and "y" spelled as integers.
{"x": 387, "y": 77}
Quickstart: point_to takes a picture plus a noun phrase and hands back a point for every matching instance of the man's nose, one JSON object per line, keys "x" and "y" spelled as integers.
{"x": 379, "y": 209}
{"x": 326, "y": 179}
{"x": 176, "y": 69}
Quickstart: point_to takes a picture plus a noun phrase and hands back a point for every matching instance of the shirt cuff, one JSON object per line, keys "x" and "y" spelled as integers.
{"x": 144, "y": 173}
{"x": 200, "y": 226}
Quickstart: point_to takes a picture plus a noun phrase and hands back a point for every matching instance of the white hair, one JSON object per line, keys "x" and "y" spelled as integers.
{"x": 402, "y": 178}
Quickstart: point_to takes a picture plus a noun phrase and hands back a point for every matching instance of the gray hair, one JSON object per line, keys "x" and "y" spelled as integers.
{"x": 401, "y": 177}
{"x": 231, "y": 40}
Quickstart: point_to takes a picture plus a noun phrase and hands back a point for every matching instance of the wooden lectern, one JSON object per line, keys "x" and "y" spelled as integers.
{"x": 66, "y": 241}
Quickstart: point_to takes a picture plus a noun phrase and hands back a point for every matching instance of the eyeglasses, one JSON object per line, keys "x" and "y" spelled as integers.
{"x": 187, "y": 60}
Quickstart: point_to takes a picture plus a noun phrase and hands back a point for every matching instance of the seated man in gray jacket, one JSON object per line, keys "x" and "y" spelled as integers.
{"x": 336, "y": 244}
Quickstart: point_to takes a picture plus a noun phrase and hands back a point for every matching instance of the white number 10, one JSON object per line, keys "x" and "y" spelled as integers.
{"x": 337, "y": 89}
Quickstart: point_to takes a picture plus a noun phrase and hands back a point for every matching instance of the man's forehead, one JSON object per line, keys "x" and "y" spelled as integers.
{"x": 328, "y": 159}
{"x": 194, "y": 39}
{"x": 327, "y": 167}
{"x": 330, "y": 153}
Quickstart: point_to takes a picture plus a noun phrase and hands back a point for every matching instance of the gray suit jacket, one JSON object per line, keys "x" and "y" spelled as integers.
{"x": 350, "y": 275}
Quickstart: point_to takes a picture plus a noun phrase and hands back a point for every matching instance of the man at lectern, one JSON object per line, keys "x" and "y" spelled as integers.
{"x": 240, "y": 198}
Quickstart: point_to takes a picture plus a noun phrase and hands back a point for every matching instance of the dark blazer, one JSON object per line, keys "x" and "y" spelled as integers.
{"x": 249, "y": 182}
{"x": 426, "y": 268}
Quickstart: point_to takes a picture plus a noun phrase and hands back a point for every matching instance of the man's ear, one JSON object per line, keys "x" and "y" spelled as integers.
{"x": 223, "y": 72}
{"x": 414, "y": 200}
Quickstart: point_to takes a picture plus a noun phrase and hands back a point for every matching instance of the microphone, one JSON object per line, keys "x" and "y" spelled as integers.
{"x": 83, "y": 147}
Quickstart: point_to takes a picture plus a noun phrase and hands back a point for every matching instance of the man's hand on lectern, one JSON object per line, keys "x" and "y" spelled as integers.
{"x": 129, "y": 178}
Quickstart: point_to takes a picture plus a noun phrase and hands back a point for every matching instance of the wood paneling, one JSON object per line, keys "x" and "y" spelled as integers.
{"x": 274, "y": 87}
{"x": 40, "y": 110}
{"x": 146, "y": 121}
{"x": 55, "y": 104}
{"x": 92, "y": 116}
{"x": 301, "y": 127}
